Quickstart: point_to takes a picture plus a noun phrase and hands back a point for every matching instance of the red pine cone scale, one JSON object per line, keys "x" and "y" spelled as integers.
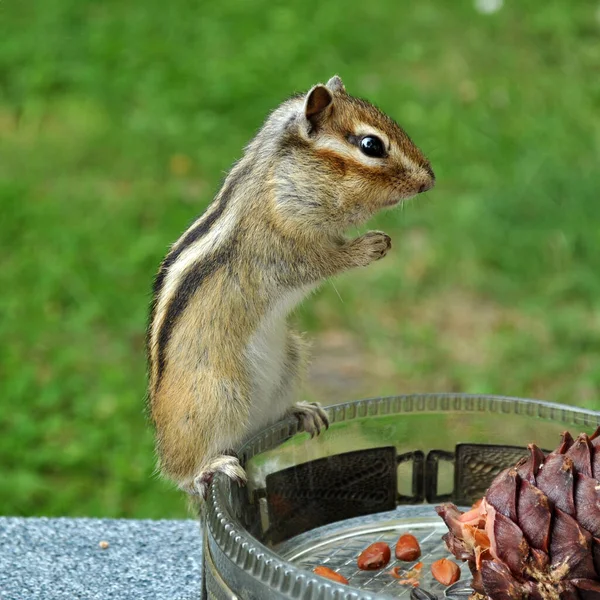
{"x": 535, "y": 535}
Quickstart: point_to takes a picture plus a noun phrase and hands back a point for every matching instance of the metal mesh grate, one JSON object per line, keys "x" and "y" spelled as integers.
{"x": 340, "y": 548}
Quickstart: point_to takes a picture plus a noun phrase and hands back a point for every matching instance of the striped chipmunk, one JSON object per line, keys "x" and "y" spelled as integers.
{"x": 223, "y": 362}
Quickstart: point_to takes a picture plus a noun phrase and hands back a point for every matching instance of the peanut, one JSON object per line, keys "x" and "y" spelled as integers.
{"x": 445, "y": 571}
{"x": 407, "y": 548}
{"x": 375, "y": 556}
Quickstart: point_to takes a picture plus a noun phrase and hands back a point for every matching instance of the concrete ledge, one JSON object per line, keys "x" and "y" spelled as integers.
{"x": 61, "y": 558}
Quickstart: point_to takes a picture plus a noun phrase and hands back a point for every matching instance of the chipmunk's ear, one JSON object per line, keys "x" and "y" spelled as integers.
{"x": 317, "y": 103}
{"x": 335, "y": 84}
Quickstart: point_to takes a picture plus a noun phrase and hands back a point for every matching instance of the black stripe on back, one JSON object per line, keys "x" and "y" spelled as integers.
{"x": 193, "y": 235}
{"x": 191, "y": 282}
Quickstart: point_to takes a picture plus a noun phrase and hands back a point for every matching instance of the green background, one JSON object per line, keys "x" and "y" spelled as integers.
{"x": 118, "y": 121}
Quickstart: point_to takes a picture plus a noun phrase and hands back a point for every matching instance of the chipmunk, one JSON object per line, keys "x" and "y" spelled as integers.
{"x": 223, "y": 362}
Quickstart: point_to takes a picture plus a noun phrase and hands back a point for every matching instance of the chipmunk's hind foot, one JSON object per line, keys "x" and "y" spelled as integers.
{"x": 229, "y": 465}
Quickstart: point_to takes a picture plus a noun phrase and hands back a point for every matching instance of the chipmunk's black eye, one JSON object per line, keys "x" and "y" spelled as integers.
{"x": 372, "y": 146}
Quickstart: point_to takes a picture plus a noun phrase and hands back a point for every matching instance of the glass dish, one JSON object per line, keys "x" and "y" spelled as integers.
{"x": 379, "y": 471}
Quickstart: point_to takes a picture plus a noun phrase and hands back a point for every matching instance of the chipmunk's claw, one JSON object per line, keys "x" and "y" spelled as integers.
{"x": 229, "y": 465}
{"x": 312, "y": 417}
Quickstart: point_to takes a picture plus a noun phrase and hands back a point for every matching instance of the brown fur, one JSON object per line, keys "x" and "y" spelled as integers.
{"x": 222, "y": 361}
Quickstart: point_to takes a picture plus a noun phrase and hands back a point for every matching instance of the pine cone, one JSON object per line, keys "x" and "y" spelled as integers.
{"x": 535, "y": 535}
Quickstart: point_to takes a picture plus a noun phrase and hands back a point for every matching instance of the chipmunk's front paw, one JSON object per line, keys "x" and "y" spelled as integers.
{"x": 370, "y": 247}
{"x": 311, "y": 416}
{"x": 229, "y": 465}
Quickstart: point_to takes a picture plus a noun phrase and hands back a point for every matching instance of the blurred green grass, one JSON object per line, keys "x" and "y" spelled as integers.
{"x": 117, "y": 123}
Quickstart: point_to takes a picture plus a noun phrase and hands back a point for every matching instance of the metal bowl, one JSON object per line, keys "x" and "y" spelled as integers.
{"x": 377, "y": 472}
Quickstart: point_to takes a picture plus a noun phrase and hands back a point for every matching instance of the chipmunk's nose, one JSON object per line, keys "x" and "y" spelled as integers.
{"x": 427, "y": 181}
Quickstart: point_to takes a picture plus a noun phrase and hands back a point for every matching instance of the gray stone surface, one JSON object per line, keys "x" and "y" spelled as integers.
{"x": 61, "y": 558}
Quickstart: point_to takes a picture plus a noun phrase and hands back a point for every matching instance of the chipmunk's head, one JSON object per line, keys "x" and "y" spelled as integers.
{"x": 353, "y": 159}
